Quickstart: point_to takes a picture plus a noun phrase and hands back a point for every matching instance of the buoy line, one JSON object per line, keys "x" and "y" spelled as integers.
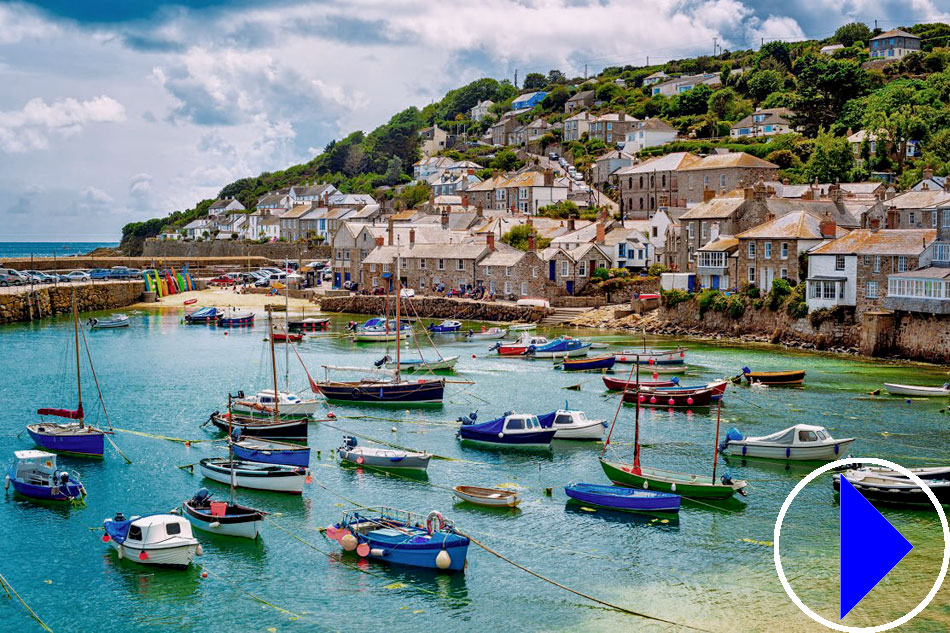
{"x": 8, "y": 588}
{"x": 293, "y": 616}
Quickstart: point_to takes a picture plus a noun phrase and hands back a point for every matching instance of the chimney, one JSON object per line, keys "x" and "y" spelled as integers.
{"x": 875, "y": 224}
{"x": 827, "y": 227}
{"x": 479, "y": 211}
{"x": 465, "y": 200}
{"x": 379, "y": 241}
{"x": 946, "y": 183}
{"x": 326, "y": 198}
{"x": 708, "y": 194}
{"x": 928, "y": 173}
{"x": 548, "y": 178}
{"x": 601, "y": 233}
{"x": 490, "y": 240}
{"x": 893, "y": 218}
{"x": 445, "y": 218}
{"x": 748, "y": 193}
{"x": 412, "y": 237}
{"x": 570, "y": 224}
{"x": 622, "y": 117}
{"x": 759, "y": 191}
{"x": 769, "y": 216}
{"x": 925, "y": 186}
{"x": 389, "y": 230}
{"x": 532, "y": 244}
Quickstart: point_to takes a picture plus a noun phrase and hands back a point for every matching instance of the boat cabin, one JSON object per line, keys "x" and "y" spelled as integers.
{"x": 522, "y": 423}
{"x": 267, "y": 397}
{"x": 158, "y": 528}
{"x": 35, "y": 467}
{"x": 798, "y": 435}
{"x": 565, "y": 418}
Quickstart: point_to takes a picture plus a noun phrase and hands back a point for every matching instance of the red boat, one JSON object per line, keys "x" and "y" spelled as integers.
{"x": 519, "y": 347}
{"x": 619, "y": 384}
{"x": 190, "y": 302}
{"x": 693, "y": 397}
{"x": 280, "y": 337}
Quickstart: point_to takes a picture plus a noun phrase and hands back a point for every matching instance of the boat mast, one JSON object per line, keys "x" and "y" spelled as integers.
{"x": 398, "y": 322}
{"x": 636, "y": 433}
{"x": 716, "y": 445}
{"x": 230, "y": 449}
{"x": 273, "y": 364}
{"x": 287, "y": 338}
{"x": 76, "y": 341}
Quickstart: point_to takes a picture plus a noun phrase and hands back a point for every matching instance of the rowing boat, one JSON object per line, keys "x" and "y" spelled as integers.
{"x": 791, "y": 377}
{"x": 488, "y": 497}
{"x": 917, "y": 390}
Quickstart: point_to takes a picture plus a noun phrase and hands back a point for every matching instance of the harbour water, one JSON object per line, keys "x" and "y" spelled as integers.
{"x": 711, "y": 567}
{"x": 50, "y": 249}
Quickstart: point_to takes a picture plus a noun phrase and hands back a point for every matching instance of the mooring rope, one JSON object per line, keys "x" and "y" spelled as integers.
{"x": 8, "y": 588}
{"x": 293, "y": 616}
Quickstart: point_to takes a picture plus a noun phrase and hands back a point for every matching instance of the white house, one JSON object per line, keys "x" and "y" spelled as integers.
{"x": 629, "y": 245}
{"x": 763, "y": 122}
{"x": 649, "y": 133}
{"x": 577, "y": 126}
{"x": 480, "y": 111}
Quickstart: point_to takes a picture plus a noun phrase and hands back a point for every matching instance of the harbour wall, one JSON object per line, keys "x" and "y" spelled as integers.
{"x": 232, "y": 248}
{"x": 22, "y": 304}
{"x": 436, "y": 307}
{"x": 202, "y": 265}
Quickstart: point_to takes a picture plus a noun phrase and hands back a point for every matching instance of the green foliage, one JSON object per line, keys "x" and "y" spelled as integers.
{"x": 779, "y": 100}
{"x": 781, "y": 289}
{"x": 414, "y": 195}
{"x": 656, "y": 270}
{"x": 752, "y": 292}
{"x": 851, "y": 33}
{"x": 762, "y": 83}
{"x": 705, "y": 300}
{"x": 600, "y": 274}
{"x": 534, "y": 82}
{"x": 555, "y": 100}
{"x": 607, "y": 92}
{"x": 776, "y": 52}
{"x": 694, "y": 101}
{"x": 519, "y": 235}
{"x": 824, "y": 86}
{"x": 901, "y": 111}
{"x": 736, "y": 306}
{"x": 674, "y": 297}
{"x": 797, "y": 307}
{"x": 785, "y": 159}
{"x": 461, "y": 100}
{"x": 831, "y": 160}
{"x": 506, "y": 160}
{"x": 727, "y": 105}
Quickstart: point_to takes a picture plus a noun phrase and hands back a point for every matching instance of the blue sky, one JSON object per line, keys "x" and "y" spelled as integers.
{"x": 119, "y": 111}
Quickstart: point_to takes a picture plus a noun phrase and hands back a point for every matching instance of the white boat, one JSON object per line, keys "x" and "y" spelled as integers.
{"x": 256, "y": 475}
{"x": 421, "y": 364}
{"x": 534, "y": 302}
{"x": 658, "y": 356}
{"x": 491, "y": 334}
{"x": 574, "y": 425}
{"x": 262, "y": 404}
{"x": 114, "y": 321}
{"x": 383, "y": 458}
{"x": 802, "y": 442}
{"x": 159, "y": 539}
{"x": 380, "y": 336}
{"x": 916, "y": 390}
{"x": 222, "y": 517}
{"x": 522, "y": 327}
{"x": 489, "y": 497}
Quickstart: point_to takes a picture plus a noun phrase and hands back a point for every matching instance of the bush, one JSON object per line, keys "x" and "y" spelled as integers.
{"x": 706, "y": 300}
{"x": 736, "y": 306}
{"x": 600, "y": 274}
{"x": 752, "y": 292}
{"x": 797, "y": 307}
{"x": 671, "y": 298}
{"x": 657, "y": 269}
{"x": 780, "y": 290}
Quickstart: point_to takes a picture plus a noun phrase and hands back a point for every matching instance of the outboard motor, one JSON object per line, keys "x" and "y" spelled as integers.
{"x": 531, "y": 350}
{"x": 240, "y": 393}
{"x": 494, "y": 347}
{"x": 63, "y": 478}
{"x": 470, "y": 418}
{"x": 382, "y": 361}
{"x": 733, "y": 435}
{"x": 201, "y": 496}
{"x": 349, "y": 442}
{"x": 236, "y": 435}
{"x": 675, "y": 380}
{"x": 211, "y": 417}
{"x": 119, "y": 517}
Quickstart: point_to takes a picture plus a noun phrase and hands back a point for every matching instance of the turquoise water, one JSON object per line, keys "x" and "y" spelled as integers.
{"x": 711, "y": 567}
{"x": 50, "y": 249}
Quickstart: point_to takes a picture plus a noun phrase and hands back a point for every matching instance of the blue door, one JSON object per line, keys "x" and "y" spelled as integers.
{"x": 346, "y": 277}
{"x": 551, "y": 271}
{"x": 715, "y": 281}
{"x": 570, "y": 288}
{"x": 336, "y": 279}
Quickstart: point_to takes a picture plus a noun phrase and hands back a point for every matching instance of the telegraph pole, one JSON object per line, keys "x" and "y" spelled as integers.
{"x": 516, "y": 77}
{"x": 715, "y": 39}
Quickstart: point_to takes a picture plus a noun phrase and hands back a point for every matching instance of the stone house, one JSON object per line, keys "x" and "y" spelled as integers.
{"x": 664, "y": 237}
{"x": 480, "y": 110}
{"x": 717, "y": 263}
{"x": 501, "y": 130}
{"x": 652, "y": 184}
{"x": 223, "y": 206}
{"x": 312, "y": 192}
{"x": 679, "y": 85}
{"x": 529, "y": 191}
{"x": 607, "y": 164}
{"x": 909, "y": 210}
{"x": 274, "y": 203}
{"x": 482, "y": 195}
{"x": 290, "y": 221}
{"x": 580, "y": 101}
{"x": 424, "y": 266}
{"x": 434, "y": 140}
{"x": 853, "y": 270}
{"x": 511, "y": 273}
{"x": 721, "y": 173}
{"x": 649, "y": 133}
{"x": 763, "y": 122}
{"x": 893, "y": 45}
{"x": 926, "y": 288}
{"x": 571, "y": 270}
{"x": 611, "y": 128}
{"x": 629, "y": 245}
{"x": 577, "y": 126}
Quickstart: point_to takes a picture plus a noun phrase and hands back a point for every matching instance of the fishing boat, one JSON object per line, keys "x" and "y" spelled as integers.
{"x": 381, "y": 336}
{"x": 448, "y": 326}
{"x": 518, "y": 430}
{"x": 203, "y": 315}
{"x": 114, "y": 321}
{"x": 34, "y": 474}
{"x": 309, "y": 324}
{"x": 255, "y": 475}
{"x": 165, "y": 540}
{"x": 670, "y": 397}
{"x": 597, "y": 363}
{"x": 383, "y": 458}
{"x": 621, "y": 384}
{"x": 802, "y": 442}
{"x": 575, "y": 425}
{"x": 491, "y": 334}
{"x": 283, "y": 337}
{"x": 236, "y": 318}
{"x": 74, "y": 438}
{"x": 718, "y": 388}
{"x": 519, "y": 346}
{"x": 488, "y": 497}
{"x": 261, "y": 404}
{"x": 252, "y": 449}
{"x": 918, "y": 391}
{"x": 446, "y": 363}
{"x": 222, "y": 517}
{"x": 563, "y": 347}
{"x": 658, "y": 356}
{"x": 882, "y": 485}
{"x": 522, "y": 327}
{"x": 262, "y": 427}
{"x": 623, "y": 498}
{"x": 402, "y": 538}
{"x": 794, "y": 377}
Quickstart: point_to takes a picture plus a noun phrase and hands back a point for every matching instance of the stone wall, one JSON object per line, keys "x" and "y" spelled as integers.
{"x": 203, "y": 265}
{"x": 45, "y": 301}
{"x": 436, "y": 307}
{"x": 228, "y": 248}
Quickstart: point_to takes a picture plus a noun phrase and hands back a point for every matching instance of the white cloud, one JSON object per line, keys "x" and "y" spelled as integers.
{"x": 31, "y": 127}
{"x": 95, "y": 196}
{"x": 18, "y": 23}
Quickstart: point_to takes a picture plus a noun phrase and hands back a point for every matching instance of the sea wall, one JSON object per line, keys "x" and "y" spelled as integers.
{"x": 228, "y": 248}
{"x": 203, "y": 265}
{"x": 20, "y": 304}
{"x": 436, "y": 307}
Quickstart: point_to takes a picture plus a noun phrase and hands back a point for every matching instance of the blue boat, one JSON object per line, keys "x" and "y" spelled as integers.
{"x": 587, "y": 364}
{"x": 402, "y": 538}
{"x": 564, "y": 347}
{"x": 446, "y": 327}
{"x": 624, "y": 499}
{"x": 252, "y": 449}
{"x": 236, "y": 318}
{"x": 520, "y": 430}
{"x": 34, "y": 474}
{"x": 203, "y": 315}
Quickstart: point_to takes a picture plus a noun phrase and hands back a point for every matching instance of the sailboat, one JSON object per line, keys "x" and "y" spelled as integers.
{"x": 382, "y": 391}
{"x": 636, "y": 475}
{"x": 74, "y": 438}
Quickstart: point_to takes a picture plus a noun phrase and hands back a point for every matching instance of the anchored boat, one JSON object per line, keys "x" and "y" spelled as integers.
{"x": 383, "y": 458}
{"x": 252, "y": 449}
{"x": 918, "y": 391}
{"x": 883, "y": 485}
{"x": 518, "y": 430}
{"x": 564, "y": 347}
{"x": 519, "y": 346}
{"x": 802, "y": 442}
{"x": 310, "y": 324}
{"x": 273, "y": 477}
{"x": 158, "y": 539}
{"x": 575, "y": 425}
{"x": 491, "y": 334}
{"x": 623, "y": 499}
{"x": 34, "y": 474}
{"x": 236, "y": 318}
{"x": 203, "y": 315}
{"x": 652, "y": 356}
{"x": 222, "y": 517}
{"x": 449, "y": 326}
{"x": 114, "y": 321}
{"x": 670, "y": 396}
{"x": 622, "y": 384}
{"x": 772, "y": 378}
{"x": 488, "y": 497}
{"x": 598, "y": 363}
{"x": 261, "y": 404}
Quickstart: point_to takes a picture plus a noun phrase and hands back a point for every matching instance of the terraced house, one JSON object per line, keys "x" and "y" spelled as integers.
{"x": 652, "y": 184}
{"x": 763, "y": 122}
{"x": 720, "y": 173}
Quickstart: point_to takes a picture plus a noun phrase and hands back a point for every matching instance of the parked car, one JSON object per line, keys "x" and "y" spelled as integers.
{"x": 327, "y": 275}
{"x": 77, "y": 275}
{"x": 10, "y": 277}
{"x": 38, "y": 277}
{"x": 120, "y": 272}
{"x": 553, "y": 156}
{"x": 100, "y": 273}
{"x": 562, "y": 161}
{"x": 316, "y": 265}
{"x": 222, "y": 280}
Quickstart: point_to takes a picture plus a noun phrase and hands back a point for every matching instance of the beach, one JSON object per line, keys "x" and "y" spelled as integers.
{"x": 228, "y": 298}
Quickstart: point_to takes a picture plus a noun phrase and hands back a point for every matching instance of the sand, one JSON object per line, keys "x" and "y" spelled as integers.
{"x": 227, "y": 298}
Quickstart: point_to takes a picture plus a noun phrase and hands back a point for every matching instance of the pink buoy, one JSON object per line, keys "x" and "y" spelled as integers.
{"x": 642, "y": 398}
{"x": 655, "y": 375}
{"x": 143, "y": 555}
{"x": 308, "y": 479}
{"x": 682, "y": 354}
{"x": 671, "y": 402}
{"x": 359, "y": 460}
{"x": 363, "y": 550}
{"x": 225, "y": 332}
{"x": 105, "y": 538}
{"x": 650, "y": 361}
{"x": 653, "y": 400}
{"x": 331, "y": 415}
{"x": 689, "y": 401}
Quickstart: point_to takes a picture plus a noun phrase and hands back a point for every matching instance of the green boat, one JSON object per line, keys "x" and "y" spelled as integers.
{"x": 695, "y": 486}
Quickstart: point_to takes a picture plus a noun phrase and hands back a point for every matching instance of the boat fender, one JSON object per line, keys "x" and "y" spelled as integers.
{"x": 501, "y": 435}
{"x": 143, "y": 555}
{"x": 199, "y": 550}
{"x": 434, "y": 516}
{"x": 378, "y": 553}
{"x": 6, "y": 482}
{"x": 443, "y": 560}
{"x": 356, "y": 393}
{"x": 646, "y": 484}
{"x": 348, "y": 542}
{"x": 788, "y": 452}
{"x": 215, "y": 524}
{"x": 121, "y": 554}
{"x": 836, "y": 449}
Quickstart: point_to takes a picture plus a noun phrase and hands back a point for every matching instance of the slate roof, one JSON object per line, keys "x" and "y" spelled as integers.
{"x": 725, "y": 161}
{"x": 881, "y": 242}
{"x": 669, "y": 162}
{"x": 798, "y": 225}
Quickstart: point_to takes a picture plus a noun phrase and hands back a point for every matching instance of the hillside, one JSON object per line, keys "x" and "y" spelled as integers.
{"x": 906, "y": 101}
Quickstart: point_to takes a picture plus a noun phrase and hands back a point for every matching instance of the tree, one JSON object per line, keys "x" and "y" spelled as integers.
{"x": 831, "y": 160}
{"x": 607, "y": 91}
{"x": 556, "y": 77}
{"x": 762, "y": 83}
{"x": 901, "y": 111}
{"x": 534, "y": 81}
{"x": 414, "y": 195}
{"x": 939, "y": 144}
{"x": 784, "y": 158}
{"x": 727, "y": 105}
{"x": 506, "y": 160}
{"x": 393, "y": 171}
{"x": 556, "y": 99}
{"x": 781, "y": 52}
{"x": 519, "y": 235}
{"x": 851, "y": 33}
{"x": 824, "y": 86}
{"x": 724, "y": 74}
{"x": 693, "y": 101}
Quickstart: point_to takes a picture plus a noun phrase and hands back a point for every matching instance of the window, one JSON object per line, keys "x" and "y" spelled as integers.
{"x": 722, "y": 181}
{"x": 524, "y": 288}
{"x": 783, "y": 273}
{"x": 877, "y": 263}
{"x": 933, "y": 219}
{"x": 441, "y": 265}
{"x": 346, "y": 255}
{"x": 867, "y": 260}
{"x": 689, "y": 231}
{"x": 702, "y": 230}
{"x": 564, "y": 269}
{"x": 901, "y": 264}
{"x": 422, "y": 264}
{"x": 460, "y": 265}
{"x": 829, "y": 290}
{"x": 507, "y": 287}
{"x": 385, "y": 268}
{"x": 871, "y": 292}
{"x": 839, "y": 262}
{"x": 807, "y": 436}
{"x": 372, "y": 268}
{"x": 515, "y": 425}
{"x": 751, "y": 250}
{"x": 339, "y": 253}
{"x": 663, "y": 181}
{"x": 173, "y": 528}
{"x": 751, "y": 274}
{"x": 135, "y": 533}
{"x": 768, "y": 250}
{"x": 622, "y": 249}
{"x": 946, "y": 217}
{"x": 941, "y": 252}
{"x": 706, "y": 182}
{"x": 582, "y": 269}
{"x": 362, "y": 254}
{"x": 783, "y": 250}
{"x": 641, "y": 182}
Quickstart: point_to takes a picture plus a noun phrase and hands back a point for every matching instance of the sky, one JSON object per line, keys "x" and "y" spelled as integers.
{"x": 115, "y": 112}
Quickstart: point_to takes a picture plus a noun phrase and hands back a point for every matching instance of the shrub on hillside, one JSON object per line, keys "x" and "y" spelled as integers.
{"x": 671, "y": 298}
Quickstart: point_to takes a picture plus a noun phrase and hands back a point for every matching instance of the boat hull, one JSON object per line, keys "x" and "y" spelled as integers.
{"x": 915, "y": 390}
{"x": 668, "y": 398}
{"x": 659, "y": 357}
{"x": 621, "y": 384}
{"x": 539, "y": 439}
{"x": 422, "y": 392}
{"x": 700, "y": 487}
{"x": 90, "y": 443}
{"x": 826, "y": 452}
{"x": 243, "y": 321}
{"x": 296, "y": 456}
{"x": 898, "y": 490}
{"x": 383, "y": 460}
{"x": 623, "y": 499}
{"x": 775, "y": 377}
{"x": 558, "y": 351}
{"x": 594, "y": 430}
{"x": 488, "y": 497}
{"x": 317, "y": 325}
{"x": 72, "y": 490}
{"x": 303, "y": 409}
{"x": 265, "y": 429}
{"x": 244, "y": 524}
{"x": 264, "y": 478}
{"x": 589, "y": 364}
{"x": 177, "y": 557}
{"x": 443, "y": 364}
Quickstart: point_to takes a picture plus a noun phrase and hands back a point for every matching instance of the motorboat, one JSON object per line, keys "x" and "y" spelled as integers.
{"x": 114, "y": 321}
{"x": 918, "y": 391}
{"x": 402, "y": 538}
{"x": 623, "y": 498}
{"x": 883, "y": 485}
{"x": 446, "y": 363}
{"x": 491, "y": 334}
{"x": 382, "y": 458}
{"x": 203, "y": 315}
{"x": 520, "y": 346}
{"x": 448, "y": 326}
{"x": 287, "y": 337}
{"x": 517, "y": 430}
{"x": 599, "y": 363}
{"x": 222, "y": 517}
{"x": 802, "y": 442}
{"x": 252, "y": 449}
{"x": 261, "y": 405}
{"x": 34, "y": 474}
{"x": 236, "y": 318}
{"x": 369, "y": 391}
{"x": 255, "y": 475}
{"x": 310, "y": 324}
{"x": 158, "y": 539}
{"x": 563, "y": 347}
{"x": 675, "y": 356}
{"x": 791, "y": 377}
{"x": 488, "y": 497}
{"x": 575, "y": 425}
{"x": 380, "y": 336}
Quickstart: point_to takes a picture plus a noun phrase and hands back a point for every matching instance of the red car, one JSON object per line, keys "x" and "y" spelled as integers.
{"x": 223, "y": 280}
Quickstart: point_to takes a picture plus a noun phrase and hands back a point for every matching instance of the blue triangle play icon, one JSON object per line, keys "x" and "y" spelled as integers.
{"x": 870, "y": 547}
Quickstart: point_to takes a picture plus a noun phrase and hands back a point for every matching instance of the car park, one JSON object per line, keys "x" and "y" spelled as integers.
{"x": 100, "y": 273}
{"x": 78, "y": 275}
{"x": 38, "y": 277}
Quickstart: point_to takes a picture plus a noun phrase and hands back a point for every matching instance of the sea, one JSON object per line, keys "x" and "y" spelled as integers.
{"x": 711, "y": 566}
{"x": 50, "y": 249}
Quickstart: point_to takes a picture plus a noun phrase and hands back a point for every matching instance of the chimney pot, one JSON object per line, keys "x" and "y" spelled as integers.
{"x": 389, "y": 231}
{"x": 490, "y": 240}
{"x": 601, "y": 232}
{"x": 928, "y": 173}
{"x": 412, "y": 237}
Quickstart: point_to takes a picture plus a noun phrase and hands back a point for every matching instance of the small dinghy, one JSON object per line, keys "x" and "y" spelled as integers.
{"x": 622, "y": 384}
{"x": 491, "y": 334}
{"x": 445, "y": 327}
{"x": 882, "y": 485}
{"x": 382, "y": 458}
{"x": 402, "y": 538}
{"x": 574, "y": 425}
{"x": 623, "y": 499}
{"x": 309, "y": 325}
{"x": 189, "y": 302}
{"x": 802, "y": 442}
{"x": 522, "y": 327}
{"x": 519, "y": 346}
{"x": 918, "y": 391}
{"x": 514, "y": 430}
{"x": 252, "y": 449}
{"x": 564, "y": 347}
{"x": 254, "y": 475}
{"x": 446, "y": 363}
{"x": 203, "y": 315}
{"x": 598, "y": 363}
{"x": 794, "y": 377}
{"x": 222, "y": 517}
{"x": 236, "y": 318}
{"x": 158, "y": 539}
{"x": 34, "y": 474}
{"x": 113, "y": 321}
{"x": 657, "y": 356}
{"x": 263, "y": 427}
{"x": 261, "y": 405}
{"x": 488, "y": 497}
{"x": 284, "y": 337}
